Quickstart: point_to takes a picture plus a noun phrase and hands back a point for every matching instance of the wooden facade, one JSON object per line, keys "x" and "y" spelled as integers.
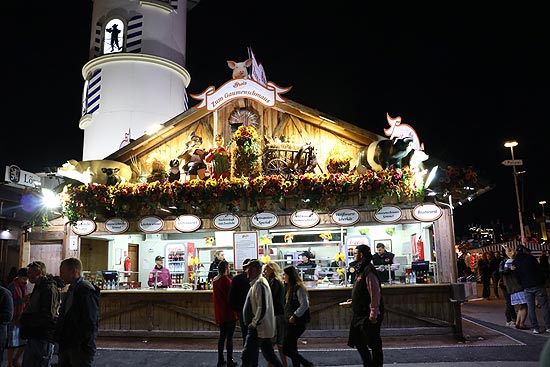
{"x": 410, "y": 309}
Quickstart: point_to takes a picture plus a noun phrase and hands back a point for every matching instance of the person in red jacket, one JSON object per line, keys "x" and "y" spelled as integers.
{"x": 224, "y": 316}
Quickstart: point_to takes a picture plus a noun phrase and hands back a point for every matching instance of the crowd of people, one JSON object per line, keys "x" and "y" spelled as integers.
{"x": 60, "y": 312}
{"x": 272, "y": 307}
{"x": 270, "y": 303}
{"x": 521, "y": 279}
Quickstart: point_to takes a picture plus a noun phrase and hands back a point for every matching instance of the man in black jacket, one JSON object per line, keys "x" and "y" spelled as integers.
{"x": 76, "y": 329}
{"x": 37, "y": 322}
{"x": 237, "y": 296}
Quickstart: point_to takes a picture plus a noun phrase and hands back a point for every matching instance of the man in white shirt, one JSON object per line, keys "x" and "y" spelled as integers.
{"x": 259, "y": 316}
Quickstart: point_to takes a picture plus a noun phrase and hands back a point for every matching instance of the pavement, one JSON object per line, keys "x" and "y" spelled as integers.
{"x": 486, "y": 342}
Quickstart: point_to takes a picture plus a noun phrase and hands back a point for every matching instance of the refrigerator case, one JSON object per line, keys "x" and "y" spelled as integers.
{"x": 175, "y": 262}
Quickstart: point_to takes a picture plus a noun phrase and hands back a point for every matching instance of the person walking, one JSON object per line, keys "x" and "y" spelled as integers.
{"x": 297, "y": 315}
{"x": 37, "y": 322}
{"x": 259, "y": 317}
{"x": 237, "y": 296}
{"x": 224, "y": 316}
{"x": 272, "y": 272}
{"x": 514, "y": 290}
{"x": 6, "y": 316}
{"x": 545, "y": 266}
{"x": 484, "y": 271}
{"x": 495, "y": 273}
{"x": 19, "y": 292}
{"x": 530, "y": 276}
{"x": 368, "y": 310}
{"x": 77, "y": 327}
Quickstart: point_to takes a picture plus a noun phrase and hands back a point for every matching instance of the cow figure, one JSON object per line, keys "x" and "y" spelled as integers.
{"x": 174, "y": 174}
{"x": 112, "y": 175}
{"x": 384, "y": 153}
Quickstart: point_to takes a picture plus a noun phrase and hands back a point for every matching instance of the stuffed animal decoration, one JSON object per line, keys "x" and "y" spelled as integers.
{"x": 383, "y": 153}
{"x": 112, "y": 177}
{"x": 240, "y": 70}
{"x": 174, "y": 174}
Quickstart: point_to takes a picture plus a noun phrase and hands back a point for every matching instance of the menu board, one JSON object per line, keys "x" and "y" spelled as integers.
{"x": 246, "y": 247}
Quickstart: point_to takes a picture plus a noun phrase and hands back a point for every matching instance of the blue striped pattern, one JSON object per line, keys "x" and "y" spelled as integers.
{"x": 135, "y": 33}
{"x": 97, "y": 39}
{"x": 185, "y": 100}
{"x": 93, "y": 93}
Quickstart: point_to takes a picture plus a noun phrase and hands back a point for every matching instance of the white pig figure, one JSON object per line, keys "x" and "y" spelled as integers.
{"x": 240, "y": 70}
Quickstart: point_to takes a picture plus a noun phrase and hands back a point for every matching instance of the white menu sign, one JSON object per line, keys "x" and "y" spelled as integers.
{"x": 427, "y": 212}
{"x": 187, "y": 223}
{"x": 117, "y": 225}
{"x": 345, "y": 216}
{"x": 84, "y": 227}
{"x": 388, "y": 214}
{"x": 305, "y": 218}
{"x": 151, "y": 224}
{"x": 264, "y": 220}
{"x": 246, "y": 247}
{"x": 226, "y": 221}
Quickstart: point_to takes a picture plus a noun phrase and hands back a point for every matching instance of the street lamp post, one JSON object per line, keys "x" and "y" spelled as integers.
{"x": 542, "y": 202}
{"x": 511, "y": 145}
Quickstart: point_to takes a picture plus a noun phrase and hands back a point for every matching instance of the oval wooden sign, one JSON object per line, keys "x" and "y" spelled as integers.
{"x": 345, "y": 216}
{"x": 264, "y": 220}
{"x": 305, "y": 218}
{"x": 117, "y": 225}
{"x": 427, "y": 212}
{"x": 187, "y": 223}
{"x": 388, "y": 214}
{"x": 226, "y": 221}
{"x": 151, "y": 224}
{"x": 84, "y": 227}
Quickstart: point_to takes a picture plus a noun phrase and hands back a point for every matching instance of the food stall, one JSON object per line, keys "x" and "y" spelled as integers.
{"x": 297, "y": 189}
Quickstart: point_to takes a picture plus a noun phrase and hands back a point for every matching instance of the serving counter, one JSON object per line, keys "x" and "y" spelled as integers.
{"x": 410, "y": 309}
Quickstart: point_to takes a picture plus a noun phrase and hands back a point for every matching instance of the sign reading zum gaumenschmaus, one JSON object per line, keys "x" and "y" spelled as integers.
{"x": 305, "y": 218}
{"x": 226, "y": 221}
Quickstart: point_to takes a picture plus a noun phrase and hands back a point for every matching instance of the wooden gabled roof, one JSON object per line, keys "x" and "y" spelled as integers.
{"x": 297, "y": 113}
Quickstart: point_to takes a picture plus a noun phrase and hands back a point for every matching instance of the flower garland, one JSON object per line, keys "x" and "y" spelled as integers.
{"x": 209, "y": 241}
{"x": 315, "y": 191}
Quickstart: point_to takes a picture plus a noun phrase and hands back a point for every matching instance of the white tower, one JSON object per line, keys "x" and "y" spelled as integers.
{"x": 135, "y": 78}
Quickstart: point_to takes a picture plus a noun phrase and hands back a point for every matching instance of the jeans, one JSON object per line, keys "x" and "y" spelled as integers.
{"x": 226, "y": 337}
{"x": 537, "y": 293}
{"x": 252, "y": 345}
{"x": 290, "y": 344}
{"x": 75, "y": 357}
{"x": 38, "y": 353}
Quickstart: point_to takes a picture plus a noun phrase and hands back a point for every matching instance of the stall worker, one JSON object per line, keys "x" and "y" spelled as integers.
{"x": 307, "y": 267}
{"x": 159, "y": 277}
{"x": 385, "y": 263}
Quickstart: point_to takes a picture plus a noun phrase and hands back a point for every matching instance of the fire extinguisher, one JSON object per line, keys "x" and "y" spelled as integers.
{"x": 127, "y": 265}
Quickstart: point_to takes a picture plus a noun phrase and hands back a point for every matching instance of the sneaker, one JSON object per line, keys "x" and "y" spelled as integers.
{"x": 511, "y": 324}
{"x": 548, "y": 330}
{"x": 536, "y": 331}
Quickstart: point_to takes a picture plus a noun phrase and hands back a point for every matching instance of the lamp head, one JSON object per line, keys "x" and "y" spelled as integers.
{"x": 510, "y": 144}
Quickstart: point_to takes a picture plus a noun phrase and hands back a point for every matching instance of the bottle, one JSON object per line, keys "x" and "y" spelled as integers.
{"x": 413, "y": 277}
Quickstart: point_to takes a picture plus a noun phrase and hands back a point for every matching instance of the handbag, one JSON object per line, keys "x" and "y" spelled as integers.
{"x": 304, "y": 319}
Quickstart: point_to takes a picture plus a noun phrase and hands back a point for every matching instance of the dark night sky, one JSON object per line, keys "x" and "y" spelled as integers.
{"x": 467, "y": 79}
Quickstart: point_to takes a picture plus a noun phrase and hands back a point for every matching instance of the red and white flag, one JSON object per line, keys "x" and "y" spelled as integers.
{"x": 257, "y": 73}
